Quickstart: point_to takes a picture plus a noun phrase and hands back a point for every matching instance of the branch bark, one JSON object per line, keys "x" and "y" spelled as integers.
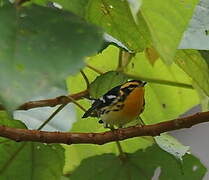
{"x": 104, "y": 137}
{"x": 53, "y": 102}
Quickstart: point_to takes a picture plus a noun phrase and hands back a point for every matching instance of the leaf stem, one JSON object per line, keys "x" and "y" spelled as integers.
{"x": 85, "y": 78}
{"x": 160, "y": 81}
{"x": 52, "y": 116}
{"x": 77, "y": 104}
{"x": 123, "y": 156}
{"x": 120, "y": 60}
{"x": 120, "y": 150}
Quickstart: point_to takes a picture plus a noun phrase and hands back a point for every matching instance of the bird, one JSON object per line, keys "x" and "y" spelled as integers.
{"x": 120, "y": 105}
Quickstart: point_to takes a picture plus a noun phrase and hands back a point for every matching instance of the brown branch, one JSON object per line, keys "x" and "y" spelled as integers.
{"x": 53, "y": 102}
{"x": 104, "y": 137}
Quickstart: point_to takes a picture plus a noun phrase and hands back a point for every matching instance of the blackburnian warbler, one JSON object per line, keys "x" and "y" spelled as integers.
{"x": 119, "y": 106}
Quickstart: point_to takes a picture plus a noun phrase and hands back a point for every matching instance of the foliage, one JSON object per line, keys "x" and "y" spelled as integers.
{"x": 28, "y": 160}
{"x": 42, "y": 47}
{"x": 112, "y": 167}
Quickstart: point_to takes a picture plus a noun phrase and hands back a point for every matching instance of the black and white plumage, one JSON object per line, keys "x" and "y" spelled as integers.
{"x": 119, "y": 105}
{"x": 104, "y": 101}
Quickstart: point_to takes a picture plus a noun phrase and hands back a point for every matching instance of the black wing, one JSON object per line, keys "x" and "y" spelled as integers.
{"x": 103, "y": 101}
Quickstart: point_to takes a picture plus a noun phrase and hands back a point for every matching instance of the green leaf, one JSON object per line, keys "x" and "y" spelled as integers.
{"x": 204, "y": 99}
{"x": 6, "y": 120}
{"x": 109, "y": 14}
{"x": 105, "y": 82}
{"x": 195, "y": 66}
{"x": 141, "y": 164}
{"x": 163, "y": 102}
{"x": 28, "y": 160}
{"x": 167, "y": 20}
{"x": 37, "y": 55}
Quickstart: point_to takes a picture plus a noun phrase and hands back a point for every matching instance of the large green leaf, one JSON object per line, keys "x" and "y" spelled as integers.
{"x": 39, "y": 47}
{"x": 140, "y": 165}
{"x": 28, "y": 160}
{"x": 167, "y": 20}
{"x": 195, "y": 66}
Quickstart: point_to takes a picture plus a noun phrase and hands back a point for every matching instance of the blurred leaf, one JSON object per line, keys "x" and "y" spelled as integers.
{"x": 171, "y": 145}
{"x": 163, "y": 102}
{"x": 151, "y": 54}
{"x": 105, "y": 82}
{"x": 141, "y": 164}
{"x": 28, "y": 160}
{"x": 167, "y": 21}
{"x": 196, "y": 35}
{"x": 36, "y": 55}
{"x": 195, "y": 66}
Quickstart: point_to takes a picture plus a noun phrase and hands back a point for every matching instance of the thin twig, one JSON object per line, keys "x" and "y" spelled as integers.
{"x": 53, "y": 102}
{"x": 52, "y": 116}
{"x": 85, "y": 78}
{"x": 103, "y": 137}
{"x": 77, "y": 104}
{"x": 120, "y": 149}
{"x": 122, "y": 155}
